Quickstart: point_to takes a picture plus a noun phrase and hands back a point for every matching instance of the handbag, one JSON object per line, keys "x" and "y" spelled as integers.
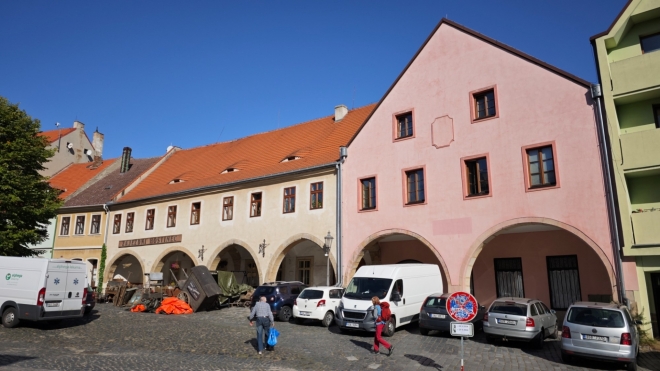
{"x": 272, "y": 337}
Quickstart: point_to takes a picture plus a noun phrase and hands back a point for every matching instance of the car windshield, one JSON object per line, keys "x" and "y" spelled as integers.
{"x": 311, "y": 294}
{"x": 364, "y": 288}
{"x": 596, "y": 317}
{"x": 436, "y": 303}
{"x": 263, "y": 291}
{"x": 508, "y": 308}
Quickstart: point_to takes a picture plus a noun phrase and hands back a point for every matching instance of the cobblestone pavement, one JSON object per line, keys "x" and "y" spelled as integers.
{"x": 115, "y": 339}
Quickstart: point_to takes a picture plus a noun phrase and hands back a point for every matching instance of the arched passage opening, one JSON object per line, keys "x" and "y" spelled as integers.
{"x": 126, "y": 267}
{"x": 396, "y": 247}
{"x": 302, "y": 258}
{"x": 235, "y": 258}
{"x": 548, "y": 260}
{"x": 175, "y": 266}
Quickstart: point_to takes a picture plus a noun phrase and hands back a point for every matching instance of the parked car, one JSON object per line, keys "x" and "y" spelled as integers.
{"x": 280, "y": 295}
{"x": 90, "y": 300}
{"x": 433, "y": 315}
{"x": 404, "y": 286}
{"x": 318, "y": 303}
{"x": 520, "y": 319}
{"x": 600, "y": 331}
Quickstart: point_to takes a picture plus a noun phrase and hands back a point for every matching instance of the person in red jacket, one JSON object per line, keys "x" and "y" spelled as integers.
{"x": 380, "y": 323}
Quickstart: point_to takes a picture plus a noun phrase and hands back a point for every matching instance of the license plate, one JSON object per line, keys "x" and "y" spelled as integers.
{"x": 434, "y": 315}
{"x": 52, "y": 304}
{"x": 351, "y": 324}
{"x": 305, "y": 313}
{"x": 596, "y": 338}
{"x": 506, "y": 321}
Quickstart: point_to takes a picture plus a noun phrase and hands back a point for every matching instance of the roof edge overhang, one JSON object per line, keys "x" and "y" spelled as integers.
{"x": 216, "y": 187}
{"x": 616, "y": 19}
{"x": 79, "y": 209}
{"x": 481, "y": 37}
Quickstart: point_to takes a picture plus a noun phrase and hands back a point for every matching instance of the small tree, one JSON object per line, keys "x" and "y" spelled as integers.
{"x": 27, "y": 201}
{"x": 104, "y": 254}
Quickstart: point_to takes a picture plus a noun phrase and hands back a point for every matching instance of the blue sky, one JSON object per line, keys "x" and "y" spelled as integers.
{"x": 153, "y": 73}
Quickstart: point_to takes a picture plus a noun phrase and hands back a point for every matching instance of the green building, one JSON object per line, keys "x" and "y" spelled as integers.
{"x": 628, "y": 60}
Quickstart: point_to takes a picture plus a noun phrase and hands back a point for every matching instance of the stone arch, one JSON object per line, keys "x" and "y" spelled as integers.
{"x": 487, "y": 236}
{"x": 112, "y": 265}
{"x": 159, "y": 261}
{"x": 363, "y": 247}
{"x": 213, "y": 262}
{"x": 286, "y": 246}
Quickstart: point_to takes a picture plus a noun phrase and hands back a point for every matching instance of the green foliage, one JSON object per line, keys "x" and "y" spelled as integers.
{"x": 645, "y": 339}
{"x": 27, "y": 202}
{"x": 104, "y": 255}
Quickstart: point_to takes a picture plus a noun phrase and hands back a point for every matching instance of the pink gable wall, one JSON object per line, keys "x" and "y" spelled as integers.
{"x": 535, "y": 106}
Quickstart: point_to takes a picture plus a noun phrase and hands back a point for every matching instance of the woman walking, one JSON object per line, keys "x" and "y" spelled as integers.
{"x": 380, "y": 323}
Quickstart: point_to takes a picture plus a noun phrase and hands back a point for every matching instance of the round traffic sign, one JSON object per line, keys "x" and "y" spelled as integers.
{"x": 462, "y": 307}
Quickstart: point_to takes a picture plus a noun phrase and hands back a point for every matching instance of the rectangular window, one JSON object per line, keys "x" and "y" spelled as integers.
{"x": 476, "y": 171}
{"x": 195, "y": 212}
{"x": 484, "y": 104}
{"x": 541, "y": 167}
{"x": 80, "y": 224}
{"x": 304, "y": 270}
{"x": 650, "y": 43}
{"x": 116, "y": 224}
{"x": 151, "y": 214}
{"x": 228, "y": 208}
{"x": 171, "y": 216}
{"x": 404, "y": 125}
{"x": 316, "y": 196}
{"x": 415, "y": 186}
{"x": 368, "y": 193}
{"x": 255, "y": 204}
{"x": 509, "y": 278}
{"x": 64, "y": 229}
{"x": 130, "y": 218}
{"x": 289, "y": 200}
{"x": 564, "y": 281}
{"x": 656, "y": 115}
{"x": 96, "y": 224}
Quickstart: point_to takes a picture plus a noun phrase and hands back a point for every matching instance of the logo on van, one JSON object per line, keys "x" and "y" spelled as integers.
{"x": 8, "y": 276}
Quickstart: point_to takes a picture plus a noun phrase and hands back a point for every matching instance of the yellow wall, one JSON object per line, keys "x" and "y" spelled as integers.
{"x": 85, "y": 240}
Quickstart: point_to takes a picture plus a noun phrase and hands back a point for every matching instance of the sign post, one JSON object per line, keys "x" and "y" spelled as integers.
{"x": 462, "y": 308}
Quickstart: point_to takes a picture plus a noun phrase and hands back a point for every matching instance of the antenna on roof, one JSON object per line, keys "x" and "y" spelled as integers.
{"x": 219, "y": 135}
{"x": 59, "y": 136}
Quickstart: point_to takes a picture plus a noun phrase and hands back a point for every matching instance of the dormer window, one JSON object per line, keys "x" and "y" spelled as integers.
{"x": 229, "y": 170}
{"x": 177, "y": 180}
{"x": 291, "y": 158}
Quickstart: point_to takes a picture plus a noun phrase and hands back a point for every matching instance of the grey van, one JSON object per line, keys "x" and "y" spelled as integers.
{"x": 520, "y": 319}
{"x": 600, "y": 331}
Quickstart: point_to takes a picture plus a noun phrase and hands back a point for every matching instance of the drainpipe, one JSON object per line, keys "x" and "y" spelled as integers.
{"x": 343, "y": 153}
{"x": 107, "y": 223}
{"x": 597, "y": 95}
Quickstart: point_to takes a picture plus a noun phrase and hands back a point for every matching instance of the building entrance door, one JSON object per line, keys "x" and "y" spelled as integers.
{"x": 655, "y": 285}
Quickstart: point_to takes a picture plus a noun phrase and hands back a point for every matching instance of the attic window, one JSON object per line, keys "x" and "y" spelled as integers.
{"x": 177, "y": 180}
{"x": 229, "y": 170}
{"x": 291, "y": 158}
{"x": 108, "y": 187}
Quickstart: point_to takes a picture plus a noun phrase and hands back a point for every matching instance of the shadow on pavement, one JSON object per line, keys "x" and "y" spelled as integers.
{"x": 61, "y": 323}
{"x": 424, "y": 361}
{"x": 650, "y": 360}
{"x": 7, "y": 359}
{"x": 362, "y": 344}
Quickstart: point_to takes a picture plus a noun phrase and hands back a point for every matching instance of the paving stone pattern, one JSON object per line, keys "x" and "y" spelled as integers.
{"x": 115, "y": 339}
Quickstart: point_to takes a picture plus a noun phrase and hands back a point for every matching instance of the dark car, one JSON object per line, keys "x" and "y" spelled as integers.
{"x": 433, "y": 315}
{"x": 280, "y": 296}
{"x": 90, "y": 300}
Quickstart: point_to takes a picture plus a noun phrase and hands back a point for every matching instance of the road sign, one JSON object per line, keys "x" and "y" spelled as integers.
{"x": 462, "y": 329}
{"x": 462, "y": 307}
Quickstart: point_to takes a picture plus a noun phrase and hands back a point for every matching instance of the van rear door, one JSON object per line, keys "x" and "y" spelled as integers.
{"x": 76, "y": 282}
{"x": 55, "y": 289}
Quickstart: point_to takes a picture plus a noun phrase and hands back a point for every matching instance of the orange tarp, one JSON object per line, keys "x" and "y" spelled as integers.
{"x": 138, "y": 308}
{"x": 174, "y": 306}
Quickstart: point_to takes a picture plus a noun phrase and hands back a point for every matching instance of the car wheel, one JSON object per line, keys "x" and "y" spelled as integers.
{"x": 567, "y": 359}
{"x": 632, "y": 366}
{"x": 423, "y": 331}
{"x": 10, "y": 317}
{"x": 285, "y": 314}
{"x": 390, "y": 327}
{"x": 538, "y": 340}
{"x": 328, "y": 319}
{"x": 183, "y": 296}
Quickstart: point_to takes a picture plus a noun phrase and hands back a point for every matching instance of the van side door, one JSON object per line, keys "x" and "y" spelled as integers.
{"x": 55, "y": 289}
{"x": 76, "y": 282}
{"x": 398, "y": 301}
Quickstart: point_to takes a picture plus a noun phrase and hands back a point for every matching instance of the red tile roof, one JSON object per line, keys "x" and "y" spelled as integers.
{"x": 316, "y": 142}
{"x": 75, "y": 176}
{"x": 53, "y": 135}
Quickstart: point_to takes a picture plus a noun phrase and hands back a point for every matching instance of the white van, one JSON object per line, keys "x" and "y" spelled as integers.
{"x": 403, "y": 286}
{"x": 41, "y": 289}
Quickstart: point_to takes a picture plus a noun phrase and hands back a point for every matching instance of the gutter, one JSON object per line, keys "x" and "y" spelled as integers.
{"x": 107, "y": 224}
{"x": 343, "y": 153}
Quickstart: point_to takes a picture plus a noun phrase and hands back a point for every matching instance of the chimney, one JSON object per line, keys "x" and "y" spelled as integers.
{"x": 78, "y": 125}
{"x": 97, "y": 143}
{"x": 340, "y": 111}
{"x": 125, "y": 160}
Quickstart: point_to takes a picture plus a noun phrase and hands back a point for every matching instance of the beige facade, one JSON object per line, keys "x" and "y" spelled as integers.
{"x": 294, "y": 240}
{"x": 72, "y": 147}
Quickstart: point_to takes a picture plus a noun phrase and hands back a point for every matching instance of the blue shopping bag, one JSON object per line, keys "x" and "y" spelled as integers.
{"x": 272, "y": 337}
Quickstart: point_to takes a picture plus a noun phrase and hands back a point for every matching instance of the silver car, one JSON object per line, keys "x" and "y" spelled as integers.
{"x": 600, "y": 331}
{"x": 520, "y": 319}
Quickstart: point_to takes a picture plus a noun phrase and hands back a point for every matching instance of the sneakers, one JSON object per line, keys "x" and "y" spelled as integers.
{"x": 259, "y": 353}
{"x": 391, "y": 350}
{"x": 375, "y": 352}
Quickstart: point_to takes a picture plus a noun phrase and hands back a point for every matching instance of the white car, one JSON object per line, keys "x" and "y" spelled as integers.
{"x": 317, "y": 303}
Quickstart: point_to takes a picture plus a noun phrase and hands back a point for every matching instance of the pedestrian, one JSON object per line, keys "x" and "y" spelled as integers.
{"x": 380, "y": 323}
{"x": 264, "y": 318}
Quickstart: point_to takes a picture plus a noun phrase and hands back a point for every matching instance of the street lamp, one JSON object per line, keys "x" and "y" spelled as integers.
{"x": 326, "y": 249}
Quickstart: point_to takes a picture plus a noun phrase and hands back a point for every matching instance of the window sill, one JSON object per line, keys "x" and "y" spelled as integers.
{"x": 288, "y": 212}
{"x": 474, "y": 197}
{"x": 542, "y": 187}
{"x": 476, "y": 121}
{"x": 417, "y": 203}
{"x": 367, "y": 210}
{"x": 404, "y": 138}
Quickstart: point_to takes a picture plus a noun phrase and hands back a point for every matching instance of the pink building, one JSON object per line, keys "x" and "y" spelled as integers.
{"x": 485, "y": 161}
